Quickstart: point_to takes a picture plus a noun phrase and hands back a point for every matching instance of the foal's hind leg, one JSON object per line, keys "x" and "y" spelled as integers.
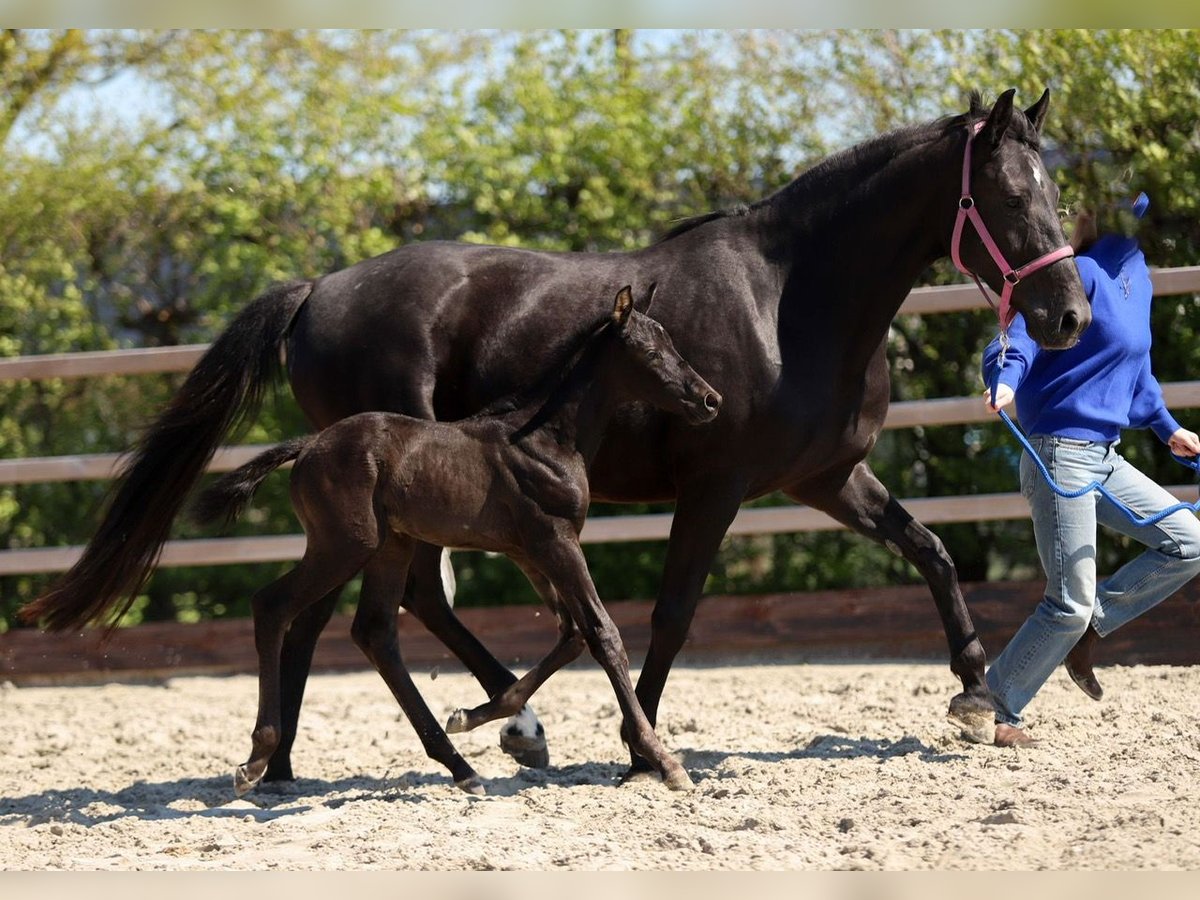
{"x": 295, "y": 662}
{"x": 513, "y": 698}
{"x": 522, "y": 737}
{"x": 865, "y": 505}
{"x": 376, "y": 633}
{"x": 275, "y": 607}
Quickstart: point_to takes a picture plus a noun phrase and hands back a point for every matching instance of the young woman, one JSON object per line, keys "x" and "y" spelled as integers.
{"x": 1073, "y": 404}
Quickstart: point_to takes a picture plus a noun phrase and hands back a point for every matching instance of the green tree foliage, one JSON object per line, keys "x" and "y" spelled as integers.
{"x": 264, "y": 156}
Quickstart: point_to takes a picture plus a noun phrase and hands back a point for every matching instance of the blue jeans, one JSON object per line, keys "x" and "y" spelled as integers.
{"x": 1066, "y": 540}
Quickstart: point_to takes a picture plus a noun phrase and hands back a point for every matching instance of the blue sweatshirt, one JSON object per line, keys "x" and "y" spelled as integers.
{"x": 1103, "y": 383}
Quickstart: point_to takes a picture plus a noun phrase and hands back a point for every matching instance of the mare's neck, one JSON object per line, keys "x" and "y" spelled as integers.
{"x": 853, "y": 234}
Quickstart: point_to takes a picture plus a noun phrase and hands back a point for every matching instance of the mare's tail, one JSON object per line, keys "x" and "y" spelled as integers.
{"x": 225, "y": 498}
{"x": 226, "y": 385}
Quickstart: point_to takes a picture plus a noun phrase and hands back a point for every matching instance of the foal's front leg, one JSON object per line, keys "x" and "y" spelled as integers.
{"x": 512, "y": 699}
{"x": 522, "y": 737}
{"x": 376, "y": 633}
{"x": 561, "y": 560}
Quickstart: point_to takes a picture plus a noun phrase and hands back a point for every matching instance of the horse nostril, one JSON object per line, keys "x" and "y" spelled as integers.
{"x": 1069, "y": 323}
{"x": 712, "y": 401}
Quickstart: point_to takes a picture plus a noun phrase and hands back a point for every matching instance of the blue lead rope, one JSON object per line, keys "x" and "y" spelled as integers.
{"x": 1191, "y": 463}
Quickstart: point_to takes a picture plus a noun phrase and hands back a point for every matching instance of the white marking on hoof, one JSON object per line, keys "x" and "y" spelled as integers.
{"x": 449, "y": 585}
{"x": 523, "y": 738}
{"x": 457, "y": 722}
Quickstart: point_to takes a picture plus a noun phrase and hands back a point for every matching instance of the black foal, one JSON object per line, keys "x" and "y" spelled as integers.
{"x": 512, "y": 479}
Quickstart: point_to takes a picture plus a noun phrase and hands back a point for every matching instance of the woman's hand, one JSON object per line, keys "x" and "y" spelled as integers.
{"x": 1184, "y": 443}
{"x": 1004, "y": 396}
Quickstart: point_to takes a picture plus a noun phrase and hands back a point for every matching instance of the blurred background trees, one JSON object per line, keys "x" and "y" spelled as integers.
{"x": 151, "y": 183}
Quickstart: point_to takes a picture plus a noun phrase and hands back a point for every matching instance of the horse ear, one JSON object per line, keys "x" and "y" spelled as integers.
{"x": 623, "y": 306}
{"x": 644, "y": 306}
{"x": 1036, "y": 114}
{"x": 993, "y": 130}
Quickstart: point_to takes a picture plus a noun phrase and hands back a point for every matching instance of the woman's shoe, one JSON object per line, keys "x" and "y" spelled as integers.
{"x": 1012, "y": 736}
{"x": 1079, "y": 664}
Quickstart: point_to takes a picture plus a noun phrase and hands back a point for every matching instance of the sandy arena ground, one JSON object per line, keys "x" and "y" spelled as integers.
{"x": 796, "y": 766}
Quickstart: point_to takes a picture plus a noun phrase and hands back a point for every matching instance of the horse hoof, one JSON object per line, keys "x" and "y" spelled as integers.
{"x": 472, "y": 786}
{"x": 242, "y": 782}
{"x": 457, "y": 723}
{"x": 530, "y": 752}
{"x": 679, "y": 781}
{"x": 974, "y": 716}
{"x": 632, "y": 776}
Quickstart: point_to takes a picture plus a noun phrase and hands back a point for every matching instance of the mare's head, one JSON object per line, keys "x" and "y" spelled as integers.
{"x": 649, "y": 367}
{"x": 1017, "y": 201}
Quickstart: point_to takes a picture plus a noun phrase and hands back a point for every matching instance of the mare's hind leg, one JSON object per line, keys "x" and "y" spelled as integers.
{"x": 295, "y": 662}
{"x": 521, "y": 737}
{"x": 275, "y": 607}
{"x": 512, "y": 699}
{"x": 864, "y": 504}
{"x": 376, "y": 633}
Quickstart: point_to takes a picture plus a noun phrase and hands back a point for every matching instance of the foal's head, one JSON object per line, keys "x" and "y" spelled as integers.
{"x": 651, "y": 369}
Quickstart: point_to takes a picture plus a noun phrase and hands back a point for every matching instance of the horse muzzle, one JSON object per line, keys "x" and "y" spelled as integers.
{"x": 705, "y": 407}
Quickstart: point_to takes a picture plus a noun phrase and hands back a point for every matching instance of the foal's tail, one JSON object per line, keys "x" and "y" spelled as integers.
{"x": 226, "y": 385}
{"x": 226, "y": 497}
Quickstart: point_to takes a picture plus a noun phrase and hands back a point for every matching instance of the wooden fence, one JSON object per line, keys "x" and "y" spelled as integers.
{"x": 732, "y": 624}
{"x": 898, "y": 622}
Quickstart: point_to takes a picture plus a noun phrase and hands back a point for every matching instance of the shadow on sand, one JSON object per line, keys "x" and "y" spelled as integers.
{"x": 825, "y": 746}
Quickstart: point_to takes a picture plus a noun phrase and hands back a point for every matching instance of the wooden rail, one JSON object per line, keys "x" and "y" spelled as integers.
{"x": 597, "y": 530}
{"x": 908, "y": 414}
{"x": 903, "y": 414}
{"x": 875, "y": 623}
{"x": 921, "y": 301}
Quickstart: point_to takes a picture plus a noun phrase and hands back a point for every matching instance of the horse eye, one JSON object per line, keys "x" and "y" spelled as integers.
{"x": 654, "y": 355}
{"x": 1013, "y": 202}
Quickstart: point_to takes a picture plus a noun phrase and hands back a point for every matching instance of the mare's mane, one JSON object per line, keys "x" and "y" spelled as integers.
{"x": 872, "y": 152}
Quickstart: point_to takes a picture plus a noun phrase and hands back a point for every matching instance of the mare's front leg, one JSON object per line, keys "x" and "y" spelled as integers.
{"x": 376, "y": 632}
{"x": 561, "y": 560}
{"x": 512, "y": 699}
{"x": 275, "y": 607}
{"x": 703, "y": 512}
{"x": 865, "y": 505}
{"x": 522, "y": 736}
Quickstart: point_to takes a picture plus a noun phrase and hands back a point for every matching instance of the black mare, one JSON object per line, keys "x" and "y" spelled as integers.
{"x": 784, "y": 304}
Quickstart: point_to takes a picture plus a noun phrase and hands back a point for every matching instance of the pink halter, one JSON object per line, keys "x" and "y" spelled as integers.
{"x": 1012, "y": 277}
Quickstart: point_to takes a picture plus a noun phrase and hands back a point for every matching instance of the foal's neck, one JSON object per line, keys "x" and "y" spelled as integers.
{"x": 575, "y": 414}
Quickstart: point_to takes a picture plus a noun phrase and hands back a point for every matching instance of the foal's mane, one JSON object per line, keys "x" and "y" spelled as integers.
{"x": 871, "y": 151}
{"x": 551, "y": 384}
